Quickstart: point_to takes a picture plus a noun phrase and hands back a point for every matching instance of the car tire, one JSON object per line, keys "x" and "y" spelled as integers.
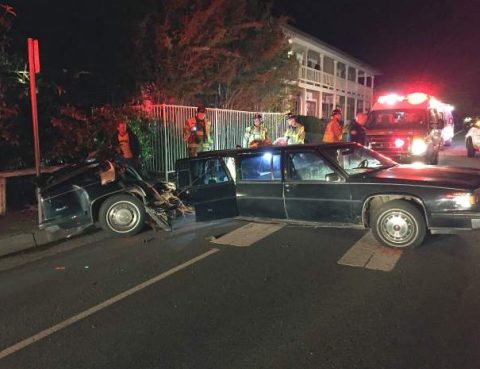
{"x": 122, "y": 215}
{"x": 399, "y": 224}
{"x": 470, "y": 148}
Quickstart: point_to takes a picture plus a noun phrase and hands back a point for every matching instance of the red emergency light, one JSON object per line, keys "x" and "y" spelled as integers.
{"x": 390, "y": 99}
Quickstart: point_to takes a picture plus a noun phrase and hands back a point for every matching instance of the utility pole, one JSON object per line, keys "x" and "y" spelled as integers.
{"x": 34, "y": 69}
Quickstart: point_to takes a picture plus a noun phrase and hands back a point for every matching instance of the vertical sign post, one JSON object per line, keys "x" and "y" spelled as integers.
{"x": 33, "y": 69}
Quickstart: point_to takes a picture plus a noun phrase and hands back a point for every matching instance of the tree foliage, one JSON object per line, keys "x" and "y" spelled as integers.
{"x": 230, "y": 52}
{"x": 10, "y": 90}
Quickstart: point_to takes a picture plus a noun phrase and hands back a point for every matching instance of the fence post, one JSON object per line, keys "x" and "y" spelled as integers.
{"x": 165, "y": 141}
{"x": 217, "y": 127}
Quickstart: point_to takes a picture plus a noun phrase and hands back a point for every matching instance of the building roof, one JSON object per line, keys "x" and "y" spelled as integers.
{"x": 331, "y": 49}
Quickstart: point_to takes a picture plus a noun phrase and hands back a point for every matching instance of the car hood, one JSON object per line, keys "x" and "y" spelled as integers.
{"x": 430, "y": 175}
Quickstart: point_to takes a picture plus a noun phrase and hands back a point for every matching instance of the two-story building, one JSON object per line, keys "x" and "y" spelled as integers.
{"x": 329, "y": 78}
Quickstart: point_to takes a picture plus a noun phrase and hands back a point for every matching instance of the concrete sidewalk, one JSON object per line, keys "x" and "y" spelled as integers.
{"x": 19, "y": 231}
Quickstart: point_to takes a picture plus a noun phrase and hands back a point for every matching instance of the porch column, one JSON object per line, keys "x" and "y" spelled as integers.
{"x": 364, "y": 91}
{"x": 356, "y": 92}
{"x": 320, "y": 94}
{"x": 335, "y": 83}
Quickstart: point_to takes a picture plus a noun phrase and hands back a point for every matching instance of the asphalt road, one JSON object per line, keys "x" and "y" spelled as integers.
{"x": 282, "y": 302}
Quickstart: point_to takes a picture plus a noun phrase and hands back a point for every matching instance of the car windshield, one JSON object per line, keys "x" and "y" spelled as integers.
{"x": 397, "y": 119}
{"x": 358, "y": 159}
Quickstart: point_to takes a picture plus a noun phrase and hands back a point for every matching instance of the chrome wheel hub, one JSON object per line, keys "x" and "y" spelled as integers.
{"x": 123, "y": 216}
{"x": 398, "y": 228}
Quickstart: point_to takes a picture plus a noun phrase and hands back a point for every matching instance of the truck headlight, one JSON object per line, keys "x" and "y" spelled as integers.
{"x": 419, "y": 146}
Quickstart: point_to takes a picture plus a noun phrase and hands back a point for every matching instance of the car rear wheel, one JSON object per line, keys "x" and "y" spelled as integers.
{"x": 470, "y": 148}
{"x": 122, "y": 215}
{"x": 399, "y": 224}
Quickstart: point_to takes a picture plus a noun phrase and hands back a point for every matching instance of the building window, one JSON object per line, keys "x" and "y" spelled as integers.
{"x": 351, "y": 74}
{"x": 361, "y": 77}
{"x": 328, "y": 65}
{"x": 341, "y": 70}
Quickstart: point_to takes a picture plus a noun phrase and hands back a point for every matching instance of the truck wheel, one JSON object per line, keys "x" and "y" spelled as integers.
{"x": 470, "y": 148}
{"x": 122, "y": 215}
{"x": 399, "y": 224}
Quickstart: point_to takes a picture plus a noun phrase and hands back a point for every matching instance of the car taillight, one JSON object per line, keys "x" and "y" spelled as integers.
{"x": 399, "y": 143}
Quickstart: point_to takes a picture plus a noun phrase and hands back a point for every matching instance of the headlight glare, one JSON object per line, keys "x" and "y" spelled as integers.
{"x": 419, "y": 146}
{"x": 463, "y": 200}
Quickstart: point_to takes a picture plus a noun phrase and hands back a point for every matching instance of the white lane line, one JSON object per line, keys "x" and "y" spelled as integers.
{"x": 368, "y": 253}
{"x": 62, "y": 325}
{"x": 248, "y": 234}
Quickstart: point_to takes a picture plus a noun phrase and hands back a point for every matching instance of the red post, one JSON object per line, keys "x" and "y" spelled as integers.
{"x": 33, "y": 69}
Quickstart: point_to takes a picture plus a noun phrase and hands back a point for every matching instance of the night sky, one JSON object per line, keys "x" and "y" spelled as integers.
{"x": 430, "y": 44}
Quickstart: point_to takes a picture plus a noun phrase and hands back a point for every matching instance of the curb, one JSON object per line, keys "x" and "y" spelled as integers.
{"x": 25, "y": 241}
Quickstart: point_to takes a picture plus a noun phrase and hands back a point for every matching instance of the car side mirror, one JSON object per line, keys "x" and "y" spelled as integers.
{"x": 333, "y": 177}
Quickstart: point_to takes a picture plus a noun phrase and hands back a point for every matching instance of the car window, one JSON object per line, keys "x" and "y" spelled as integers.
{"x": 262, "y": 167}
{"x": 307, "y": 166}
{"x": 208, "y": 171}
{"x": 230, "y": 164}
{"x": 358, "y": 159}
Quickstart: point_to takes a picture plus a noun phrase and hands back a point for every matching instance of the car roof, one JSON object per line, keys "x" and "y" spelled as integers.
{"x": 234, "y": 152}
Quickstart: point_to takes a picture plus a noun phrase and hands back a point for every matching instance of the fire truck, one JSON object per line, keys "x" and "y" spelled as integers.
{"x": 410, "y": 128}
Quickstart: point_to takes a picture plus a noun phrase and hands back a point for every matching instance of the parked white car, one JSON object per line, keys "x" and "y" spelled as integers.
{"x": 472, "y": 140}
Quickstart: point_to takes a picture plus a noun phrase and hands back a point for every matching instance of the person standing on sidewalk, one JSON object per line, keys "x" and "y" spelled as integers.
{"x": 356, "y": 129}
{"x": 127, "y": 144}
{"x": 295, "y": 133}
{"x": 197, "y": 133}
{"x": 256, "y": 135}
{"x": 333, "y": 130}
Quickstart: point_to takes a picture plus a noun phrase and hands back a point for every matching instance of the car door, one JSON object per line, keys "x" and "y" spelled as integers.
{"x": 259, "y": 185}
{"x": 208, "y": 185}
{"x": 314, "y": 189}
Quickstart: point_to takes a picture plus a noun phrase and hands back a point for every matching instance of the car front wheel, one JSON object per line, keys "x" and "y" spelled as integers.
{"x": 470, "y": 148}
{"x": 399, "y": 224}
{"x": 122, "y": 215}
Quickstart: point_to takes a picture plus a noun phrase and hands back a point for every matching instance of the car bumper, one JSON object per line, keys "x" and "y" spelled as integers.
{"x": 451, "y": 222}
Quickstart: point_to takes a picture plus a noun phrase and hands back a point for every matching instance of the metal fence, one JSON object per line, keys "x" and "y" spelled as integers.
{"x": 228, "y": 128}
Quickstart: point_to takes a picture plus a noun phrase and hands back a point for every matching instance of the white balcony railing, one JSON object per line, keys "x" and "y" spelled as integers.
{"x": 315, "y": 77}
{"x": 319, "y": 78}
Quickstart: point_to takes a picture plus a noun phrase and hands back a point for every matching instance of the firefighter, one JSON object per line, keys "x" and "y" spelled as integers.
{"x": 257, "y": 134}
{"x": 333, "y": 131}
{"x": 295, "y": 133}
{"x": 197, "y": 133}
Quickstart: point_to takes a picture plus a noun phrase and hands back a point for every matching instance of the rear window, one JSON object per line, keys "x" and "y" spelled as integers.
{"x": 397, "y": 119}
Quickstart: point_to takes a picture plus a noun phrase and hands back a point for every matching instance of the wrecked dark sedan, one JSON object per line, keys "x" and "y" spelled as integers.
{"x": 334, "y": 184}
{"x": 105, "y": 192}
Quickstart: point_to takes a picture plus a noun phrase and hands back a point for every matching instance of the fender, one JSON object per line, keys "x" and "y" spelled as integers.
{"x": 392, "y": 196}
